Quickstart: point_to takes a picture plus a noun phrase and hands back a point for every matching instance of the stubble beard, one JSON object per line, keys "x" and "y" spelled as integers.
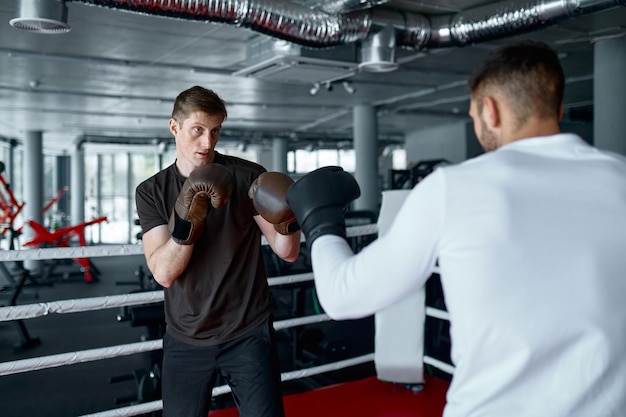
{"x": 488, "y": 139}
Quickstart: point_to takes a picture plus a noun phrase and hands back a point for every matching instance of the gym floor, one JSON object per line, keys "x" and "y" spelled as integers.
{"x": 79, "y": 389}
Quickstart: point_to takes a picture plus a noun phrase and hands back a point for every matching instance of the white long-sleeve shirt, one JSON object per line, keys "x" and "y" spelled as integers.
{"x": 531, "y": 243}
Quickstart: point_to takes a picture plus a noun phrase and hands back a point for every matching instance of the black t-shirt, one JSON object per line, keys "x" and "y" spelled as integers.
{"x": 223, "y": 292}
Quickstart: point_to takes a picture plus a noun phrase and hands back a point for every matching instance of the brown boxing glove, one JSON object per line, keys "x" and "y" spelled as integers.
{"x": 268, "y": 196}
{"x": 212, "y": 184}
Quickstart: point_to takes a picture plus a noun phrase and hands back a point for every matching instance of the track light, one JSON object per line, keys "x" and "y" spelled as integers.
{"x": 328, "y": 86}
{"x": 348, "y": 87}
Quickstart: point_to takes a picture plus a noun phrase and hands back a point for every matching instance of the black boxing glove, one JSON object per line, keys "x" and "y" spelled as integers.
{"x": 319, "y": 199}
{"x": 212, "y": 184}
{"x": 268, "y": 196}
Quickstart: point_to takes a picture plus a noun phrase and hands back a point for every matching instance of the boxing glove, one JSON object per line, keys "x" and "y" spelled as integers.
{"x": 268, "y": 196}
{"x": 209, "y": 184}
{"x": 319, "y": 199}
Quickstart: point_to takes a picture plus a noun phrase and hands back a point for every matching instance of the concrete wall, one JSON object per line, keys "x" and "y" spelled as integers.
{"x": 458, "y": 142}
{"x": 445, "y": 142}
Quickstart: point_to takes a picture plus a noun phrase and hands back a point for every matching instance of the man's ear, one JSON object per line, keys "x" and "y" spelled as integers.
{"x": 491, "y": 112}
{"x": 173, "y": 126}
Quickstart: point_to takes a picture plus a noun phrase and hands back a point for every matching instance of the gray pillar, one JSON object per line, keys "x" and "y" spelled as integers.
{"x": 609, "y": 94}
{"x": 62, "y": 180}
{"x": 130, "y": 194}
{"x": 279, "y": 155}
{"x": 366, "y": 154}
{"x": 77, "y": 187}
{"x": 33, "y": 188}
{"x": 11, "y": 167}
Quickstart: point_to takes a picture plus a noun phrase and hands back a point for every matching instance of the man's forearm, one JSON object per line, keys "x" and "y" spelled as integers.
{"x": 169, "y": 261}
{"x": 287, "y": 247}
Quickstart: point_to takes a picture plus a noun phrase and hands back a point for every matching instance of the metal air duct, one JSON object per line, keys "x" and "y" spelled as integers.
{"x": 378, "y": 52}
{"x": 318, "y": 29}
{"x": 509, "y": 18}
{"x": 277, "y": 18}
{"x": 41, "y": 16}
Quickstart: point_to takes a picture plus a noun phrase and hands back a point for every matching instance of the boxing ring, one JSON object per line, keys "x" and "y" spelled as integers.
{"x": 370, "y": 396}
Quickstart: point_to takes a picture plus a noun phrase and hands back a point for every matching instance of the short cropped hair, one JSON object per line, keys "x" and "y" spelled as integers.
{"x": 195, "y": 99}
{"x": 528, "y": 74}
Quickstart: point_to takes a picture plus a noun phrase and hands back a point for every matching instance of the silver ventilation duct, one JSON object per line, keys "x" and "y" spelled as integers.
{"x": 509, "y": 18}
{"x": 41, "y": 16}
{"x": 277, "y": 18}
{"x": 302, "y": 25}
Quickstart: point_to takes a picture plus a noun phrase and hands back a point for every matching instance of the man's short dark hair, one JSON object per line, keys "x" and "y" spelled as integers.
{"x": 527, "y": 73}
{"x": 195, "y": 99}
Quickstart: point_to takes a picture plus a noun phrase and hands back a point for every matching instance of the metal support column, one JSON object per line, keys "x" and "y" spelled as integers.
{"x": 609, "y": 94}
{"x": 365, "y": 147}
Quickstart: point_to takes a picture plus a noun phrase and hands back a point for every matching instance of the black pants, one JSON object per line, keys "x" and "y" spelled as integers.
{"x": 249, "y": 364}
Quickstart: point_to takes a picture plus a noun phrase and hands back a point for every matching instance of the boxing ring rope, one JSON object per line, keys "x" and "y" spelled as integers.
{"x": 11, "y": 313}
{"x": 61, "y": 359}
{"x": 51, "y": 361}
{"x": 119, "y": 250}
{"x": 29, "y": 311}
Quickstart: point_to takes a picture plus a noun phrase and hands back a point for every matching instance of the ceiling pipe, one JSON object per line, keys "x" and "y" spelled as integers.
{"x": 40, "y": 16}
{"x": 318, "y": 29}
{"x": 277, "y": 18}
{"x": 509, "y": 18}
{"x": 378, "y": 51}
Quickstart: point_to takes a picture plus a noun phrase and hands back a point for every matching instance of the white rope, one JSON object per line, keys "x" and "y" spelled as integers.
{"x": 301, "y": 321}
{"x": 51, "y": 361}
{"x": 290, "y": 279}
{"x": 446, "y": 367}
{"x": 286, "y": 376}
{"x": 437, "y": 313}
{"x": 34, "y": 364}
{"x": 28, "y": 311}
{"x": 95, "y": 251}
{"x": 315, "y": 370}
{"x": 71, "y": 252}
{"x": 223, "y": 389}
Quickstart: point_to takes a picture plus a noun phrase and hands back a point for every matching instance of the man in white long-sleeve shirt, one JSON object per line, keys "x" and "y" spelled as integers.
{"x": 531, "y": 243}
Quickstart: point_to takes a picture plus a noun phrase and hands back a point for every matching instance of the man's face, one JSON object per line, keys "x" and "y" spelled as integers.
{"x": 486, "y": 137}
{"x": 196, "y": 138}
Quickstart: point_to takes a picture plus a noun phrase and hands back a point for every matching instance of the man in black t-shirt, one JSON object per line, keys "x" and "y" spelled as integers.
{"x": 202, "y": 219}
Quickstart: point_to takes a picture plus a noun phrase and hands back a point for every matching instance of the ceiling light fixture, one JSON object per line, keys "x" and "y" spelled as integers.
{"x": 41, "y": 16}
{"x": 315, "y": 89}
{"x": 348, "y": 87}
